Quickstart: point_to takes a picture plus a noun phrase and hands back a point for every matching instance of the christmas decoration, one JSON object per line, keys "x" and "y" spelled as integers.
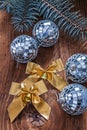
{"x": 51, "y": 73}
{"x": 73, "y": 99}
{"x": 76, "y": 68}
{"x": 26, "y": 13}
{"x": 46, "y": 33}
{"x": 28, "y": 92}
{"x": 24, "y": 48}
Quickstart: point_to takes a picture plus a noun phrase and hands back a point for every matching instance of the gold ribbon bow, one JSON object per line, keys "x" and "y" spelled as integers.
{"x": 27, "y": 92}
{"x": 51, "y": 73}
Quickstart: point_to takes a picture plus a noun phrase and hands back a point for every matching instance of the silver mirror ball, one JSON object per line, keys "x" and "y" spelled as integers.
{"x": 73, "y": 99}
{"x": 24, "y": 49}
{"x": 46, "y": 33}
{"x": 76, "y": 68}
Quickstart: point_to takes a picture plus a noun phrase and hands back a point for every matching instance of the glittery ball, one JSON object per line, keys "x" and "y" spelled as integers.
{"x": 46, "y": 33}
{"x": 23, "y": 49}
{"x": 73, "y": 99}
{"x": 76, "y": 68}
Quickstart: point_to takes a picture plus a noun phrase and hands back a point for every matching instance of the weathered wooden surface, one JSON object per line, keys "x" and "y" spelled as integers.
{"x": 59, "y": 120}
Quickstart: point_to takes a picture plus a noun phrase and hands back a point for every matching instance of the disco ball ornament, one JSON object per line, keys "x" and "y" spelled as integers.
{"x": 76, "y": 68}
{"x": 23, "y": 49}
{"x": 46, "y": 33}
{"x": 73, "y": 99}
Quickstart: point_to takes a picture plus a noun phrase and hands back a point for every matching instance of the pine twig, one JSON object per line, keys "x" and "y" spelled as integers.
{"x": 70, "y": 22}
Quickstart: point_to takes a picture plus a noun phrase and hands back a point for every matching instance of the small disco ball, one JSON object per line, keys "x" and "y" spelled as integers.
{"x": 23, "y": 49}
{"x": 76, "y": 68}
{"x": 46, "y": 33}
{"x": 73, "y": 99}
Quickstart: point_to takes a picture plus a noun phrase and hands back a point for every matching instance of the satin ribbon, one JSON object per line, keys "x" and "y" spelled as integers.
{"x": 50, "y": 74}
{"x": 27, "y": 92}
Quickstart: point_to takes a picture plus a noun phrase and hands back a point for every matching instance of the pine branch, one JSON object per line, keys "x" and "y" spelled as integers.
{"x": 70, "y": 22}
{"x": 24, "y": 14}
{"x": 6, "y": 5}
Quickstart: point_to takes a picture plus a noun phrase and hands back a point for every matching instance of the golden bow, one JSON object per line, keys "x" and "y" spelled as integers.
{"x": 51, "y": 73}
{"x": 27, "y": 92}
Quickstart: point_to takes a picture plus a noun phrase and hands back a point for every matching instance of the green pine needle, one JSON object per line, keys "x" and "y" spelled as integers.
{"x": 70, "y": 22}
{"x": 6, "y": 5}
{"x": 24, "y": 14}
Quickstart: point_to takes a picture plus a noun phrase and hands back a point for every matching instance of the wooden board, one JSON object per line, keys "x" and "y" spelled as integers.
{"x": 59, "y": 120}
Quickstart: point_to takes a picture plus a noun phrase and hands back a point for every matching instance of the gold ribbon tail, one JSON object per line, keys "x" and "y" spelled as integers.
{"x": 58, "y": 82}
{"x": 14, "y": 109}
{"x": 43, "y": 108}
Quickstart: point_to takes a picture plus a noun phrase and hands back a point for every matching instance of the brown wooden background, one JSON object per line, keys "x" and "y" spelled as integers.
{"x": 59, "y": 120}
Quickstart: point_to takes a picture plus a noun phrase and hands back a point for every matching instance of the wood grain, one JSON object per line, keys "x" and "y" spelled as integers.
{"x": 59, "y": 120}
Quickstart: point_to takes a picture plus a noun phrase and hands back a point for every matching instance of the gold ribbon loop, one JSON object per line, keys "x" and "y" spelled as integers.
{"x": 28, "y": 92}
{"x": 50, "y": 74}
